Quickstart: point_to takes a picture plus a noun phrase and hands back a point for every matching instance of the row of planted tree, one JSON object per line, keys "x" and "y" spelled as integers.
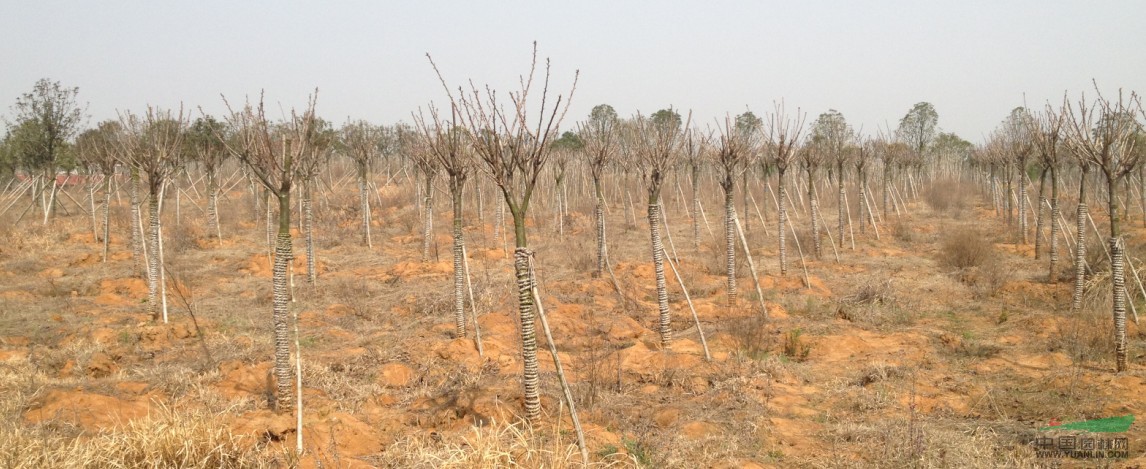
{"x": 514, "y": 142}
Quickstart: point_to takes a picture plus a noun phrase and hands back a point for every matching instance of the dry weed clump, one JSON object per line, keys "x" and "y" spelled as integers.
{"x": 947, "y": 195}
{"x": 974, "y": 259}
{"x": 169, "y": 439}
{"x": 928, "y": 442}
{"x": 753, "y": 335}
{"x": 965, "y": 249}
{"x": 496, "y": 445}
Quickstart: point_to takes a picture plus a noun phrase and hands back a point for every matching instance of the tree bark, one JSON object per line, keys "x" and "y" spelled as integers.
{"x": 1052, "y": 276}
{"x": 1039, "y": 215}
{"x": 1022, "y": 170}
{"x": 281, "y": 401}
{"x": 665, "y": 319}
{"x": 599, "y": 210}
{"x": 696, "y": 206}
{"x": 1080, "y": 246}
{"x": 308, "y": 228}
{"x": 107, "y": 215}
{"x": 1117, "y": 274}
{"x": 364, "y": 203}
{"x": 153, "y": 248}
{"x": 729, "y": 238}
{"x": 817, "y": 243}
{"x": 136, "y": 224}
{"x": 530, "y": 377}
{"x": 428, "y": 217}
{"x": 456, "y": 185}
{"x": 213, "y": 228}
{"x": 783, "y": 219}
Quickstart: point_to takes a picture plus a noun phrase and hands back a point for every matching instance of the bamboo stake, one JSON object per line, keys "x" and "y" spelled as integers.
{"x": 759, "y": 214}
{"x": 804, "y": 265}
{"x": 829, "y": 232}
{"x": 668, "y": 232}
{"x": 473, "y": 304}
{"x": 751, "y": 265}
{"x": 687, "y": 298}
{"x": 560, "y": 371}
{"x": 851, "y": 231}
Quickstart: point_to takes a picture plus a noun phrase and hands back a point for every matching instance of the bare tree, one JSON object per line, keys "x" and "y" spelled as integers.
{"x": 564, "y": 150}
{"x": 811, "y": 156}
{"x": 446, "y": 141}
{"x": 832, "y": 134}
{"x": 278, "y": 155}
{"x": 361, "y": 140}
{"x": 210, "y": 152}
{"x": 1046, "y": 131}
{"x": 1102, "y": 133}
{"x": 99, "y": 147}
{"x": 323, "y": 140}
{"x": 783, "y": 133}
{"x": 599, "y": 134}
{"x": 1020, "y": 145}
{"x": 864, "y": 155}
{"x": 513, "y": 144}
{"x": 428, "y": 165}
{"x": 736, "y": 144}
{"x": 655, "y": 141}
{"x": 695, "y": 151}
{"x": 152, "y": 145}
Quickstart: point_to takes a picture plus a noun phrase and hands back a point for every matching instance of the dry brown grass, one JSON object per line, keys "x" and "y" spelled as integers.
{"x": 168, "y": 439}
{"x": 493, "y": 446}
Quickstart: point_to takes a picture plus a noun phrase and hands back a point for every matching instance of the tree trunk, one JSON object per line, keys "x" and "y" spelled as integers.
{"x": 746, "y": 226}
{"x": 456, "y": 185}
{"x": 729, "y": 238}
{"x": 1117, "y": 275}
{"x": 817, "y": 244}
{"x": 107, "y": 215}
{"x": 600, "y": 215}
{"x": 428, "y": 218}
{"x": 1022, "y": 170}
{"x": 1052, "y": 276}
{"x": 308, "y": 228}
{"x": 864, "y": 209}
{"x": 213, "y": 204}
{"x": 886, "y": 188}
{"x": 783, "y": 219}
{"x": 1008, "y": 202}
{"x": 1039, "y": 215}
{"x": 530, "y": 377}
{"x": 364, "y": 203}
{"x": 136, "y": 224}
{"x": 842, "y": 211}
{"x": 696, "y": 206}
{"x": 153, "y": 248}
{"x": 1080, "y": 245}
{"x": 281, "y": 301}
{"x": 665, "y": 321}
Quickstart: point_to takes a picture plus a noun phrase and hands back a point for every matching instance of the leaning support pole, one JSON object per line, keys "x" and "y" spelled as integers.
{"x": 759, "y": 215}
{"x": 473, "y": 304}
{"x": 851, "y": 231}
{"x": 560, "y": 371}
{"x": 829, "y": 232}
{"x": 804, "y": 265}
{"x": 668, "y": 232}
{"x": 752, "y": 265}
{"x": 695, "y": 318}
{"x": 298, "y": 386}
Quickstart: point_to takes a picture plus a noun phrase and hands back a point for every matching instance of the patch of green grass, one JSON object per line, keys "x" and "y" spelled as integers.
{"x": 639, "y": 451}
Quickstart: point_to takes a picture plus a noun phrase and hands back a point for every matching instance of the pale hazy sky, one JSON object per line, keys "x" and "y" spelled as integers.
{"x": 872, "y": 61}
